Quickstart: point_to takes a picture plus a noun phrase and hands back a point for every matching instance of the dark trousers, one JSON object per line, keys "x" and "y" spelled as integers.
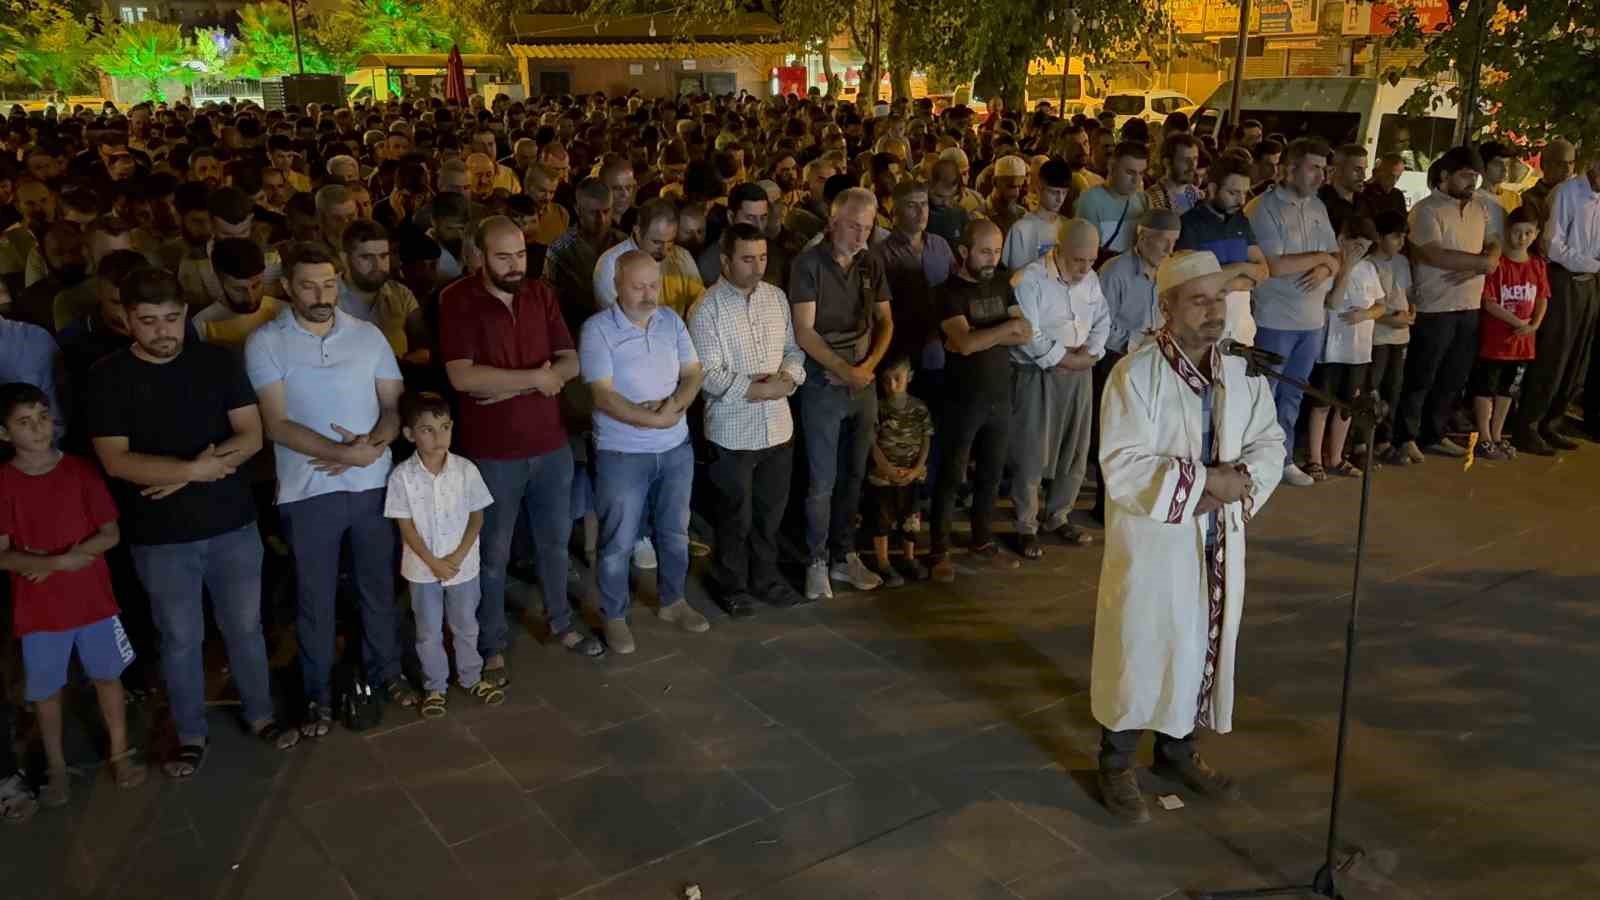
{"x": 1444, "y": 347}
{"x": 1117, "y": 748}
{"x": 979, "y": 429}
{"x": 752, "y": 492}
{"x": 1386, "y": 377}
{"x": 316, "y": 528}
{"x": 1563, "y": 349}
{"x": 1102, "y": 372}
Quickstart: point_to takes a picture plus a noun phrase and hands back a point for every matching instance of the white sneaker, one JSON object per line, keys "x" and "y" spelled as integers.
{"x": 644, "y": 554}
{"x": 1293, "y": 475}
{"x": 856, "y": 573}
{"x": 817, "y": 586}
{"x": 17, "y": 802}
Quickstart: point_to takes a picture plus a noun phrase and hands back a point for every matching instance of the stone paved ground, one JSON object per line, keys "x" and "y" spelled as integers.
{"x": 935, "y": 742}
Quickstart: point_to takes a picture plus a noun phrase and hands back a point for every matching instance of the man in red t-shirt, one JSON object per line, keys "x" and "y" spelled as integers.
{"x": 1514, "y": 299}
{"x": 57, "y": 521}
{"x": 507, "y": 351}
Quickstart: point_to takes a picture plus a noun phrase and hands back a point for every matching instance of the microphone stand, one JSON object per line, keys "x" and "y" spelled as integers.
{"x": 1366, "y": 411}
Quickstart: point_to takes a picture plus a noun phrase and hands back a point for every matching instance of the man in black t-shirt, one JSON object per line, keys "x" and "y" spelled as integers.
{"x": 173, "y": 425}
{"x": 980, "y": 320}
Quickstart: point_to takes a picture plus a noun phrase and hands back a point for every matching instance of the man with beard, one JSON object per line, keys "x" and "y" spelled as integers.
{"x": 35, "y": 205}
{"x": 1381, "y": 193}
{"x": 839, "y": 298}
{"x": 569, "y": 263}
{"x": 204, "y": 168}
{"x": 617, "y": 174}
{"x": 367, "y": 292}
{"x": 66, "y": 265}
{"x": 336, "y": 209}
{"x": 1004, "y": 206}
{"x": 810, "y": 216}
{"x": 692, "y": 228}
{"x": 449, "y": 215}
{"x": 507, "y": 351}
{"x": 1450, "y": 254}
{"x": 655, "y": 233}
{"x": 230, "y": 214}
{"x": 981, "y": 320}
{"x": 1347, "y": 175}
{"x": 1219, "y": 227}
{"x": 1191, "y": 450}
{"x": 752, "y": 365}
{"x": 642, "y": 368}
{"x": 1034, "y": 235}
{"x": 173, "y": 425}
{"x": 550, "y": 219}
{"x": 748, "y": 204}
{"x": 1557, "y": 162}
{"x": 1052, "y": 388}
{"x": 191, "y": 204}
{"x": 786, "y": 175}
{"x": 240, "y": 267}
{"x": 1177, "y": 191}
{"x": 329, "y": 390}
{"x": 915, "y": 264}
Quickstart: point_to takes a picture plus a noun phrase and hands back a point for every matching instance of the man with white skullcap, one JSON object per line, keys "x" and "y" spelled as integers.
{"x": 1190, "y": 449}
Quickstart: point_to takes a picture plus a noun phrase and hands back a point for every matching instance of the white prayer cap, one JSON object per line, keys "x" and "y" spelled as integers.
{"x": 1011, "y": 167}
{"x": 955, "y": 155}
{"x": 1183, "y": 267}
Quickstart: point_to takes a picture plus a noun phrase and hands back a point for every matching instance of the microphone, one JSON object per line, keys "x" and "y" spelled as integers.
{"x": 1254, "y": 355}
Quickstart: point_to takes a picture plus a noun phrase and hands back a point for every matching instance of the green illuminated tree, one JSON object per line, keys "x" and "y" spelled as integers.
{"x": 44, "y": 45}
{"x": 266, "y": 43}
{"x": 148, "y": 51}
{"x": 360, "y": 27}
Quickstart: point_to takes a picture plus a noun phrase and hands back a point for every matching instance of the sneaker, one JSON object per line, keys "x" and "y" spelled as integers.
{"x": 1198, "y": 777}
{"x": 1447, "y": 447}
{"x": 887, "y": 572}
{"x": 684, "y": 616}
{"x": 913, "y": 569}
{"x": 1488, "y": 450}
{"x": 1119, "y": 790}
{"x": 1292, "y": 474}
{"x": 780, "y": 595}
{"x": 855, "y": 572}
{"x": 644, "y": 554}
{"x": 737, "y": 604}
{"x": 1559, "y": 440}
{"x": 17, "y": 802}
{"x": 943, "y": 570}
{"x": 817, "y": 584}
{"x": 618, "y": 636}
{"x": 1394, "y": 456}
{"x": 1506, "y": 450}
{"x": 1412, "y": 452}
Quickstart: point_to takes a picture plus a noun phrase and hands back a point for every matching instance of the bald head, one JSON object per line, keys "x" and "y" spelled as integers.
{"x": 981, "y": 243}
{"x": 504, "y": 251}
{"x": 1077, "y": 247}
{"x": 1558, "y": 161}
{"x": 638, "y": 285}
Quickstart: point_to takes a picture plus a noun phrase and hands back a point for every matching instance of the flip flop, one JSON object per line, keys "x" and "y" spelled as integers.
{"x": 187, "y": 762}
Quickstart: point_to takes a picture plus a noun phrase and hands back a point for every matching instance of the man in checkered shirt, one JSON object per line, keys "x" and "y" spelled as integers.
{"x": 742, "y": 331}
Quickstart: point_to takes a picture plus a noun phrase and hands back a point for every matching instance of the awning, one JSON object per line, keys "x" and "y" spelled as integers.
{"x": 431, "y": 61}
{"x": 694, "y": 50}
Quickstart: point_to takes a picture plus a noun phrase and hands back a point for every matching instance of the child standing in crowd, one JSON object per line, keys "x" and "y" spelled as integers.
{"x": 1514, "y": 299}
{"x": 57, "y": 520}
{"x": 1392, "y": 332}
{"x": 1353, "y": 307}
{"x": 899, "y": 467}
{"x": 437, "y": 498}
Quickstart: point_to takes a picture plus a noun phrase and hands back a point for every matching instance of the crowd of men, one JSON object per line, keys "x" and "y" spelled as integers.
{"x": 619, "y": 311}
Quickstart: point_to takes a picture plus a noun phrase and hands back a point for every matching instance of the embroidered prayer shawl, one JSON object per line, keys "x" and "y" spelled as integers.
{"x": 1167, "y": 620}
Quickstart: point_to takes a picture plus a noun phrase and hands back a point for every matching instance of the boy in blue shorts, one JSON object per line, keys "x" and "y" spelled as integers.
{"x": 57, "y": 521}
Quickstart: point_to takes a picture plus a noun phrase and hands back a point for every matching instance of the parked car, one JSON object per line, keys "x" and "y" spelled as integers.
{"x": 1151, "y": 106}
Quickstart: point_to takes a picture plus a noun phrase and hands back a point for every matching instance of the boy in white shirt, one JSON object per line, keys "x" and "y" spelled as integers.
{"x": 437, "y": 499}
{"x": 1353, "y": 308}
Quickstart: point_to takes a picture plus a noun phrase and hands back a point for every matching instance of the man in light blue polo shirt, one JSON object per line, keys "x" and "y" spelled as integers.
{"x": 329, "y": 388}
{"x": 1297, "y": 239}
{"x": 642, "y": 367}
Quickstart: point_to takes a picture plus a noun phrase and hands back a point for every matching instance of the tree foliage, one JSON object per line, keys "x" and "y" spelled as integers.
{"x": 266, "y": 43}
{"x": 1539, "y": 65}
{"x": 148, "y": 52}
{"x": 359, "y": 27}
{"x": 44, "y": 43}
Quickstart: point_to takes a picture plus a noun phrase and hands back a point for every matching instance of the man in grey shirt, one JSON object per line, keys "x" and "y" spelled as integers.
{"x": 1450, "y": 255}
{"x": 1298, "y": 240}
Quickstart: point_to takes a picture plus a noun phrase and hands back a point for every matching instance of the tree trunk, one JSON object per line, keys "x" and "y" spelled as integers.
{"x": 827, "y": 69}
{"x": 1005, "y": 78}
{"x": 899, "y": 70}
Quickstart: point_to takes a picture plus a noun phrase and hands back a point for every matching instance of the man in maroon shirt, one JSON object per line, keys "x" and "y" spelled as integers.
{"x": 507, "y": 351}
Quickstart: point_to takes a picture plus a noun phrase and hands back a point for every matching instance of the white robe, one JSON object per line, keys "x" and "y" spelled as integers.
{"x": 1153, "y": 615}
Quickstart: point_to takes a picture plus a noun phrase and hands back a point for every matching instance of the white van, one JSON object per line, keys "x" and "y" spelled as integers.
{"x": 1362, "y": 111}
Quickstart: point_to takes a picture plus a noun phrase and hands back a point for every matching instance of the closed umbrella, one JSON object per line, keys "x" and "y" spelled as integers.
{"x": 455, "y": 77}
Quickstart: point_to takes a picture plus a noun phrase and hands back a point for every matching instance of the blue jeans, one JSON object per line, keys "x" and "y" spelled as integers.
{"x": 626, "y": 485}
{"x": 175, "y": 576}
{"x": 543, "y": 486}
{"x": 316, "y": 527}
{"x": 432, "y": 605}
{"x": 838, "y": 426}
{"x": 1300, "y": 351}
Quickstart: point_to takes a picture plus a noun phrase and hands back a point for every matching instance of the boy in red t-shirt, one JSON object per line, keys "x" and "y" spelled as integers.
{"x": 57, "y": 521}
{"x": 1514, "y": 299}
